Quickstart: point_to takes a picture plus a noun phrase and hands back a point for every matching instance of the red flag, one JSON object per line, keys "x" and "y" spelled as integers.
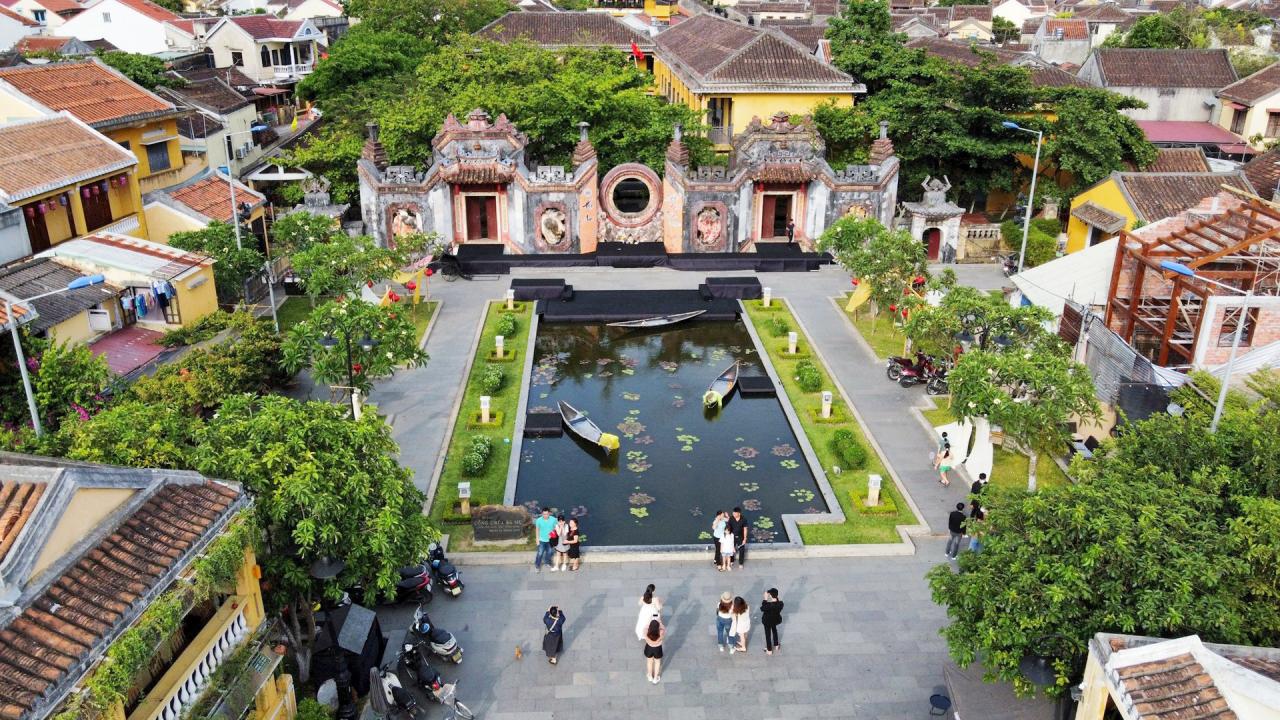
{"x": 635, "y": 51}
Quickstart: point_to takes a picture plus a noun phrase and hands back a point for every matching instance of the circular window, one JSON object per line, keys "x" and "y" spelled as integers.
{"x": 631, "y": 195}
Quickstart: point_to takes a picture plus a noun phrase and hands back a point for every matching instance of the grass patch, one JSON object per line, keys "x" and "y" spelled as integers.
{"x": 885, "y": 338}
{"x": 857, "y": 528}
{"x": 294, "y": 310}
{"x": 422, "y": 317}
{"x": 1008, "y": 468}
{"x": 488, "y": 487}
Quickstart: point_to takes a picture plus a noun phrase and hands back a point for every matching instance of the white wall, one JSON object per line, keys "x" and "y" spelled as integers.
{"x": 1013, "y": 11}
{"x": 28, "y": 8}
{"x": 13, "y": 236}
{"x": 1060, "y": 51}
{"x": 1173, "y": 103}
{"x": 126, "y": 28}
{"x": 311, "y": 9}
{"x": 11, "y": 31}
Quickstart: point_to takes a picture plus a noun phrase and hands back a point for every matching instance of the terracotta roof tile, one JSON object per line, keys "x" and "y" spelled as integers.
{"x": 1104, "y": 13}
{"x": 966, "y": 53}
{"x": 263, "y": 27}
{"x": 1254, "y": 87}
{"x": 18, "y": 312}
{"x": 1157, "y": 196}
{"x": 89, "y": 90}
{"x": 212, "y": 198}
{"x": 1071, "y": 28}
{"x": 1179, "y": 160}
{"x": 38, "y": 276}
{"x": 807, "y": 35}
{"x": 212, "y": 93}
{"x": 1175, "y": 688}
{"x": 61, "y": 6}
{"x": 47, "y": 153}
{"x": 964, "y": 12}
{"x": 57, "y": 631}
{"x": 41, "y": 43}
{"x": 1133, "y": 67}
{"x": 717, "y": 51}
{"x": 151, "y": 10}
{"x": 1099, "y": 217}
{"x": 17, "y": 502}
{"x": 560, "y": 29}
{"x": 1263, "y": 172}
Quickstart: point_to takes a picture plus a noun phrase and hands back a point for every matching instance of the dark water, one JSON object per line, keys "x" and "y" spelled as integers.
{"x": 677, "y": 463}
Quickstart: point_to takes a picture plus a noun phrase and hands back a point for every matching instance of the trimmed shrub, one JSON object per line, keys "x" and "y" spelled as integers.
{"x": 506, "y": 325}
{"x": 808, "y": 377}
{"x": 845, "y": 445}
{"x": 491, "y": 379}
{"x": 887, "y": 505}
{"x": 777, "y": 327}
{"x": 1048, "y": 226}
{"x": 477, "y": 455}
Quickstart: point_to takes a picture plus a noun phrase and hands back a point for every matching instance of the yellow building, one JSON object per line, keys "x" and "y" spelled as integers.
{"x": 1251, "y": 107}
{"x": 733, "y": 73}
{"x": 75, "y": 316}
{"x": 64, "y": 179}
{"x": 194, "y": 205}
{"x": 85, "y": 551}
{"x": 135, "y": 118}
{"x": 1128, "y": 200}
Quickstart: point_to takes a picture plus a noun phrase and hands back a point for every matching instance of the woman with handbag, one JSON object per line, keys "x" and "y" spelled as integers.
{"x": 553, "y": 641}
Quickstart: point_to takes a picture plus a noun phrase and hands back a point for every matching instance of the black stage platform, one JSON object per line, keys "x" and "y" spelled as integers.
{"x": 605, "y": 306}
{"x": 488, "y": 258}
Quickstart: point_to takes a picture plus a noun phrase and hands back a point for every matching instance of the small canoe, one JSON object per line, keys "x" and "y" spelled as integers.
{"x": 579, "y": 424}
{"x": 657, "y": 321}
{"x": 722, "y": 386}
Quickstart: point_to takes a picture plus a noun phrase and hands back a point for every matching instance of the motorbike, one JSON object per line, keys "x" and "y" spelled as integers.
{"x": 414, "y": 665}
{"x": 439, "y": 641}
{"x": 1009, "y": 264}
{"x": 415, "y": 585}
{"x": 936, "y": 381}
{"x": 445, "y": 574}
{"x": 897, "y": 364}
{"x": 393, "y": 696}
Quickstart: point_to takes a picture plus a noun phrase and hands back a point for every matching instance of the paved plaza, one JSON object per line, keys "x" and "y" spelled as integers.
{"x": 861, "y": 634}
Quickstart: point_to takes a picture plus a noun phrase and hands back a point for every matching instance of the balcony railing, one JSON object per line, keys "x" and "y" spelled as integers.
{"x": 190, "y": 672}
{"x": 621, "y": 4}
{"x": 720, "y": 134}
{"x": 123, "y": 226}
{"x": 284, "y": 71}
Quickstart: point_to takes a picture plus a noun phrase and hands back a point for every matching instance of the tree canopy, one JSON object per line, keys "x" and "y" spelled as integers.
{"x": 148, "y": 71}
{"x": 235, "y": 263}
{"x": 983, "y": 315}
{"x": 890, "y": 260}
{"x": 352, "y": 320}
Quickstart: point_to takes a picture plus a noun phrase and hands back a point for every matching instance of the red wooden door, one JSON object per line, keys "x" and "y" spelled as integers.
{"x": 932, "y": 243}
{"x": 769, "y": 207}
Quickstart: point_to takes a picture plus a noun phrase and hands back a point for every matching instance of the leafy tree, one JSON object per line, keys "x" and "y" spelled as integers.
{"x": 986, "y": 317}
{"x": 300, "y": 230}
{"x": 364, "y": 68}
{"x": 323, "y": 486}
{"x": 66, "y": 379}
{"x": 332, "y": 152}
{"x": 135, "y": 434}
{"x": 234, "y": 264}
{"x": 1091, "y": 138}
{"x": 891, "y": 260}
{"x": 1004, "y": 31}
{"x": 352, "y": 320}
{"x": 1031, "y": 393}
{"x": 846, "y": 133}
{"x": 343, "y": 263}
{"x": 148, "y": 71}
{"x": 430, "y": 20}
{"x": 1255, "y": 537}
{"x": 1247, "y": 63}
{"x": 1178, "y": 28}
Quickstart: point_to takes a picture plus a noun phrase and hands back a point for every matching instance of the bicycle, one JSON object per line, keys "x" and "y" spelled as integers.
{"x": 448, "y": 697}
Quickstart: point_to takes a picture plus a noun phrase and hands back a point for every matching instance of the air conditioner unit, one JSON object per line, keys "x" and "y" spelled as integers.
{"x": 240, "y": 153}
{"x": 247, "y": 147}
{"x": 168, "y": 41}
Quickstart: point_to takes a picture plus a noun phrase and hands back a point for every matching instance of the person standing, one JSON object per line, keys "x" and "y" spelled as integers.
{"x": 724, "y": 620}
{"x": 553, "y": 641}
{"x": 739, "y": 626}
{"x": 653, "y": 637}
{"x": 977, "y": 514}
{"x": 650, "y": 610}
{"x": 738, "y": 528}
{"x": 717, "y": 532}
{"x": 574, "y": 539}
{"x": 955, "y": 523}
{"x": 771, "y": 618}
{"x": 791, "y": 231}
{"x": 561, "y": 544}
{"x": 978, "y": 485}
{"x": 726, "y": 551}
{"x": 944, "y": 465}
{"x": 544, "y": 526}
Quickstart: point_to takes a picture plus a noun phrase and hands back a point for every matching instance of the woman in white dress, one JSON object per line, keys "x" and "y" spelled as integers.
{"x": 650, "y": 610}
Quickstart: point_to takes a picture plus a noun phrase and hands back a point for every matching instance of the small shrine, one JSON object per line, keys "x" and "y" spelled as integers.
{"x": 935, "y": 221}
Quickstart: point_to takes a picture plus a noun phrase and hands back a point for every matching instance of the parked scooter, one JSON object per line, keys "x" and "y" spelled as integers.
{"x": 441, "y": 642}
{"x": 392, "y": 699}
{"x": 413, "y": 665}
{"x": 936, "y": 381}
{"x": 919, "y": 372}
{"x": 897, "y": 364}
{"x": 445, "y": 574}
{"x": 414, "y": 585}
{"x": 1009, "y": 264}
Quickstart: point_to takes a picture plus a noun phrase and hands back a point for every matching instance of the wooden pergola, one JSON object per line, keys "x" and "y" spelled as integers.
{"x": 1239, "y": 247}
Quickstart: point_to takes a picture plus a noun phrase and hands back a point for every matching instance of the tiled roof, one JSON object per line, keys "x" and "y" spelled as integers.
{"x": 211, "y": 197}
{"x": 231, "y": 76}
{"x": 6, "y": 12}
{"x": 17, "y": 502}
{"x": 1104, "y": 13}
{"x": 806, "y": 35}
{"x": 19, "y": 312}
{"x": 1263, "y": 172}
{"x": 198, "y": 125}
{"x": 1255, "y": 87}
{"x": 41, "y": 43}
{"x": 150, "y": 9}
{"x": 52, "y": 642}
{"x": 1176, "y": 688}
{"x": 141, "y": 257}
{"x": 41, "y": 275}
{"x": 560, "y": 29}
{"x": 1155, "y": 196}
{"x": 213, "y": 94}
{"x": 1132, "y": 67}
{"x": 1179, "y": 160}
{"x": 44, "y": 154}
{"x": 102, "y": 44}
{"x": 89, "y": 90}
{"x": 964, "y": 12}
{"x": 717, "y": 51}
{"x": 265, "y": 27}
{"x": 965, "y": 53}
{"x": 1071, "y": 28}
{"x": 60, "y": 7}
{"x": 1099, "y": 217}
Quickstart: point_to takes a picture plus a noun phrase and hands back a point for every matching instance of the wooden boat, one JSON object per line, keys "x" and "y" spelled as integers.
{"x": 657, "y": 321}
{"x": 722, "y": 386}
{"x": 579, "y": 424}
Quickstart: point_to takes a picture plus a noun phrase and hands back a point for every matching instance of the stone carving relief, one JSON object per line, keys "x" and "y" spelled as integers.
{"x": 553, "y": 226}
{"x": 709, "y": 233}
{"x": 857, "y": 210}
{"x": 399, "y": 175}
{"x": 631, "y": 235}
{"x": 550, "y": 174}
{"x": 861, "y": 174}
{"x": 710, "y": 173}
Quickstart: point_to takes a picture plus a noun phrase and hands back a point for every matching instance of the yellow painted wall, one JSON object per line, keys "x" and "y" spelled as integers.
{"x": 1105, "y": 194}
{"x": 198, "y": 301}
{"x": 656, "y": 11}
{"x": 73, "y": 330}
{"x": 1255, "y": 119}
{"x": 164, "y": 221}
{"x": 134, "y": 136}
{"x": 16, "y": 106}
{"x": 87, "y": 508}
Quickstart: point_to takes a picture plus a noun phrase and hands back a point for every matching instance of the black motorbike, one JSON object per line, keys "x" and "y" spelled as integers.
{"x": 439, "y": 642}
{"x": 445, "y": 574}
{"x": 414, "y": 585}
{"x": 936, "y": 380}
{"x": 414, "y": 665}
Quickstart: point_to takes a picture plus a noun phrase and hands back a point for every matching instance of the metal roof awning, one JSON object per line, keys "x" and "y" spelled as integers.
{"x": 269, "y": 91}
{"x": 157, "y": 141}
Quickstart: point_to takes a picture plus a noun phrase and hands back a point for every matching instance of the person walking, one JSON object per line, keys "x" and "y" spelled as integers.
{"x": 553, "y": 641}
{"x": 791, "y": 231}
{"x": 739, "y": 626}
{"x": 955, "y": 523}
{"x": 724, "y": 619}
{"x": 653, "y": 637}
{"x": 650, "y": 610}
{"x": 726, "y": 551}
{"x": 977, "y": 515}
{"x": 574, "y": 539}
{"x": 771, "y": 618}
{"x": 944, "y": 465}
{"x": 561, "y": 544}
{"x": 978, "y": 485}
{"x": 717, "y": 532}
{"x": 544, "y": 526}
{"x": 738, "y": 528}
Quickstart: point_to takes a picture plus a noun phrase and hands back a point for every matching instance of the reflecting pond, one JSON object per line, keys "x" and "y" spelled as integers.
{"x": 678, "y": 463}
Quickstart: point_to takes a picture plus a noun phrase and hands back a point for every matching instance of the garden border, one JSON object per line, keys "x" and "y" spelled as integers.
{"x": 436, "y": 473}
{"x": 522, "y": 408}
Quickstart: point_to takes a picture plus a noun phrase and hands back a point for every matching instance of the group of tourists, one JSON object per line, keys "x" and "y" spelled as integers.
{"x": 729, "y": 539}
{"x": 559, "y": 542}
{"x": 960, "y": 525}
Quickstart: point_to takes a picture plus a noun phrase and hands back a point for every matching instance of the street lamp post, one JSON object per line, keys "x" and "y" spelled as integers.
{"x": 327, "y": 568}
{"x": 1180, "y": 269}
{"x": 1035, "y": 172}
{"x": 366, "y": 344}
{"x": 80, "y": 282}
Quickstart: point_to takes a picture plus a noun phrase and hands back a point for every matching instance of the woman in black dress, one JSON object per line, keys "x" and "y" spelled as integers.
{"x": 653, "y": 650}
{"x": 574, "y": 543}
{"x": 553, "y": 641}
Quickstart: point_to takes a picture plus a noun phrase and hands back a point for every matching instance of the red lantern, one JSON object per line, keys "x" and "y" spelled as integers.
{"x": 85, "y": 193}
{"x": 854, "y": 282}
{"x": 356, "y": 367}
{"x": 893, "y": 308}
{"x": 411, "y": 286}
{"x": 94, "y": 191}
{"x": 429, "y": 272}
{"x": 394, "y": 297}
{"x": 40, "y": 208}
